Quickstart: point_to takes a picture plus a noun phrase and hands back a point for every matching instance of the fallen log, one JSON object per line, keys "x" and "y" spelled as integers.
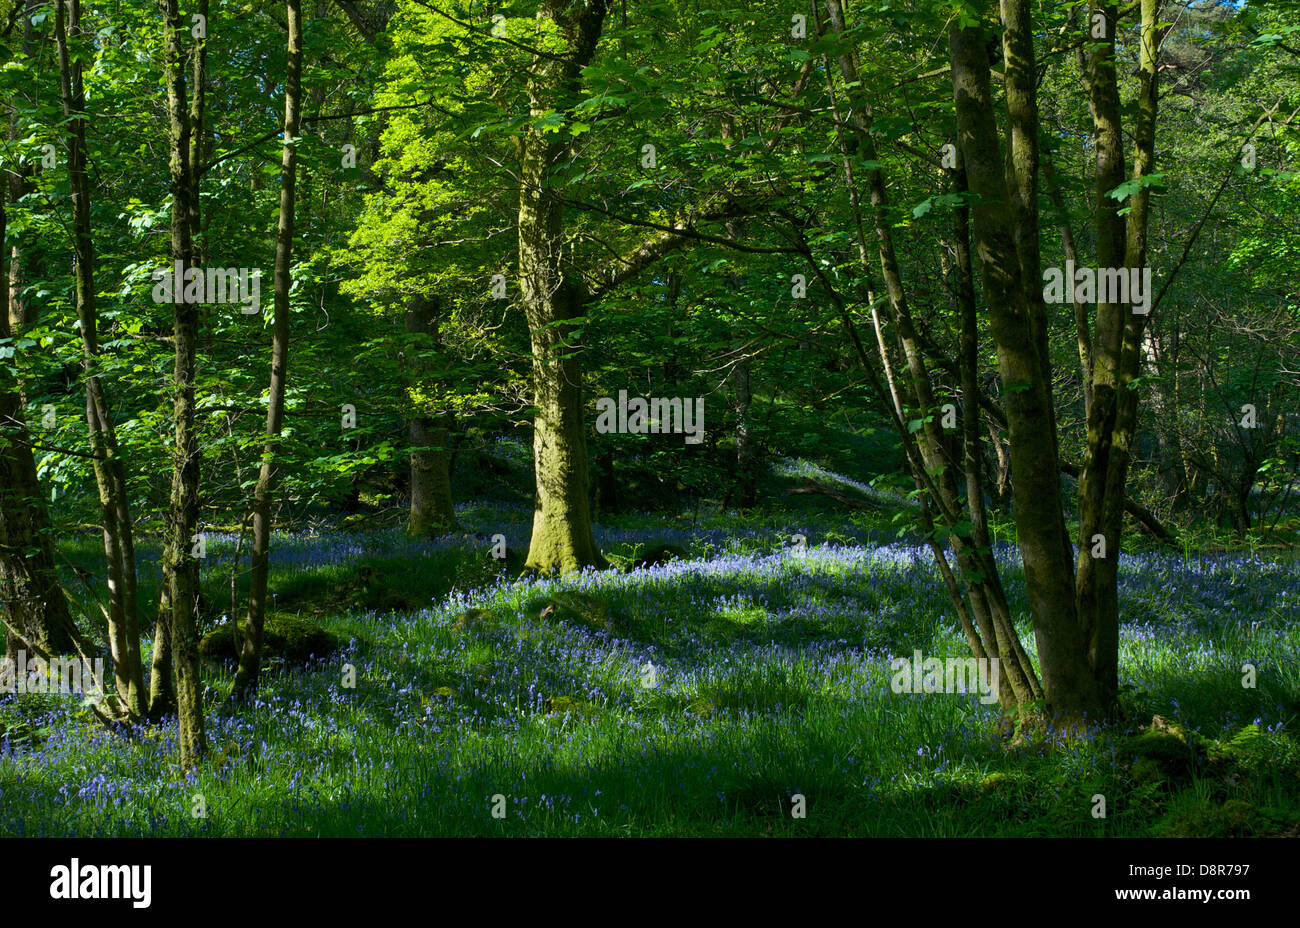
{"x": 811, "y": 487}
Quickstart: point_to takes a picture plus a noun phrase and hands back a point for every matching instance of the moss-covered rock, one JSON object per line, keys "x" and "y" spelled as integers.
{"x": 290, "y": 638}
{"x": 1164, "y": 751}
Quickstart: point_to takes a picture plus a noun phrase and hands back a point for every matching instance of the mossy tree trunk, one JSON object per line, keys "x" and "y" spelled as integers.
{"x": 181, "y": 567}
{"x": 1045, "y": 547}
{"x": 562, "y": 538}
{"x": 555, "y": 294}
{"x": 162, "y": 682}
{"x": 552, "y": 295}
{"x": 1117, "y": 346}
{"x": 1096, "y": 576}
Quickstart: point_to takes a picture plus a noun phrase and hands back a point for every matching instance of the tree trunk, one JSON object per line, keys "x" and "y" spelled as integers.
{"x": 162, "y": 686}
{"x": 562, "y": 537}
{"x": 746, "y": 478}
{"x": 180, "y": 565}
{"x": 1096, "y": 576}
{"x": 1026, "y": 385}
{"x": 21, "y": 312}
{"x": 35, "y": 611}
{"x": 250, "y": 654}
{"x": 432, "y": 511}
{"x": 110, "y": 474}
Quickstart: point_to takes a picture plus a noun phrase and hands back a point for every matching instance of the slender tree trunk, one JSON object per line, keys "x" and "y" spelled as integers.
{"x": 1082, "y": 326}
{"x": 162, "y": 685}
{"x": 1096, "y": 576}
{"x": 250, "y": 654}
{"x": 607, "y": 483}
{"x": 35, "y": 611}
{"x": 746, "y": 477}
{"x": 935, "y": 471}
{"x": 181, "y": 567}
{"x": 110, "y": 474}
{"x": 21, "y": 311}
{"x": 195, "y": 154}
{"x": 432, "y": 510}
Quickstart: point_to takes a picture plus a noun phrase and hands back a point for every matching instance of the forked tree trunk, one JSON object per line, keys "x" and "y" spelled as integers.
{"x": 1104, "y": 638}
{"x": 1045, "y": 548}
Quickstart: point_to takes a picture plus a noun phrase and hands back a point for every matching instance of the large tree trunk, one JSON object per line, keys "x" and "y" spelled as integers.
{"x": 562, "y": 537}
{"x": 180, "y": 565}
{"x": 110, "y": 474}
{"x": 432, "y": 511}
{"x": 250, "y": 654}
{"x": 32, "y": 603}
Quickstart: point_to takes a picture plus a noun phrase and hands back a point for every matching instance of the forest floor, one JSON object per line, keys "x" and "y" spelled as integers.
{"x": 719, "y": 693}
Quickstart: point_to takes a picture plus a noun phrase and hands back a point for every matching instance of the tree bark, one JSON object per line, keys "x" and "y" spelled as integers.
{"x": 35, "y": 609}
{"x": 1026, "y": 385}
{"x": 432, "y": 510}
{"x": 110, "y": 474}
{"x": 562, "y": 538}
{"x": 250, "y": 654}
{"x": 162, "y": 685}
{"x": 180, "y": 566}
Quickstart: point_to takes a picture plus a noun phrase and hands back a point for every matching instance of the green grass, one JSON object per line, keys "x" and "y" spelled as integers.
{"x": 771, "y": 671}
